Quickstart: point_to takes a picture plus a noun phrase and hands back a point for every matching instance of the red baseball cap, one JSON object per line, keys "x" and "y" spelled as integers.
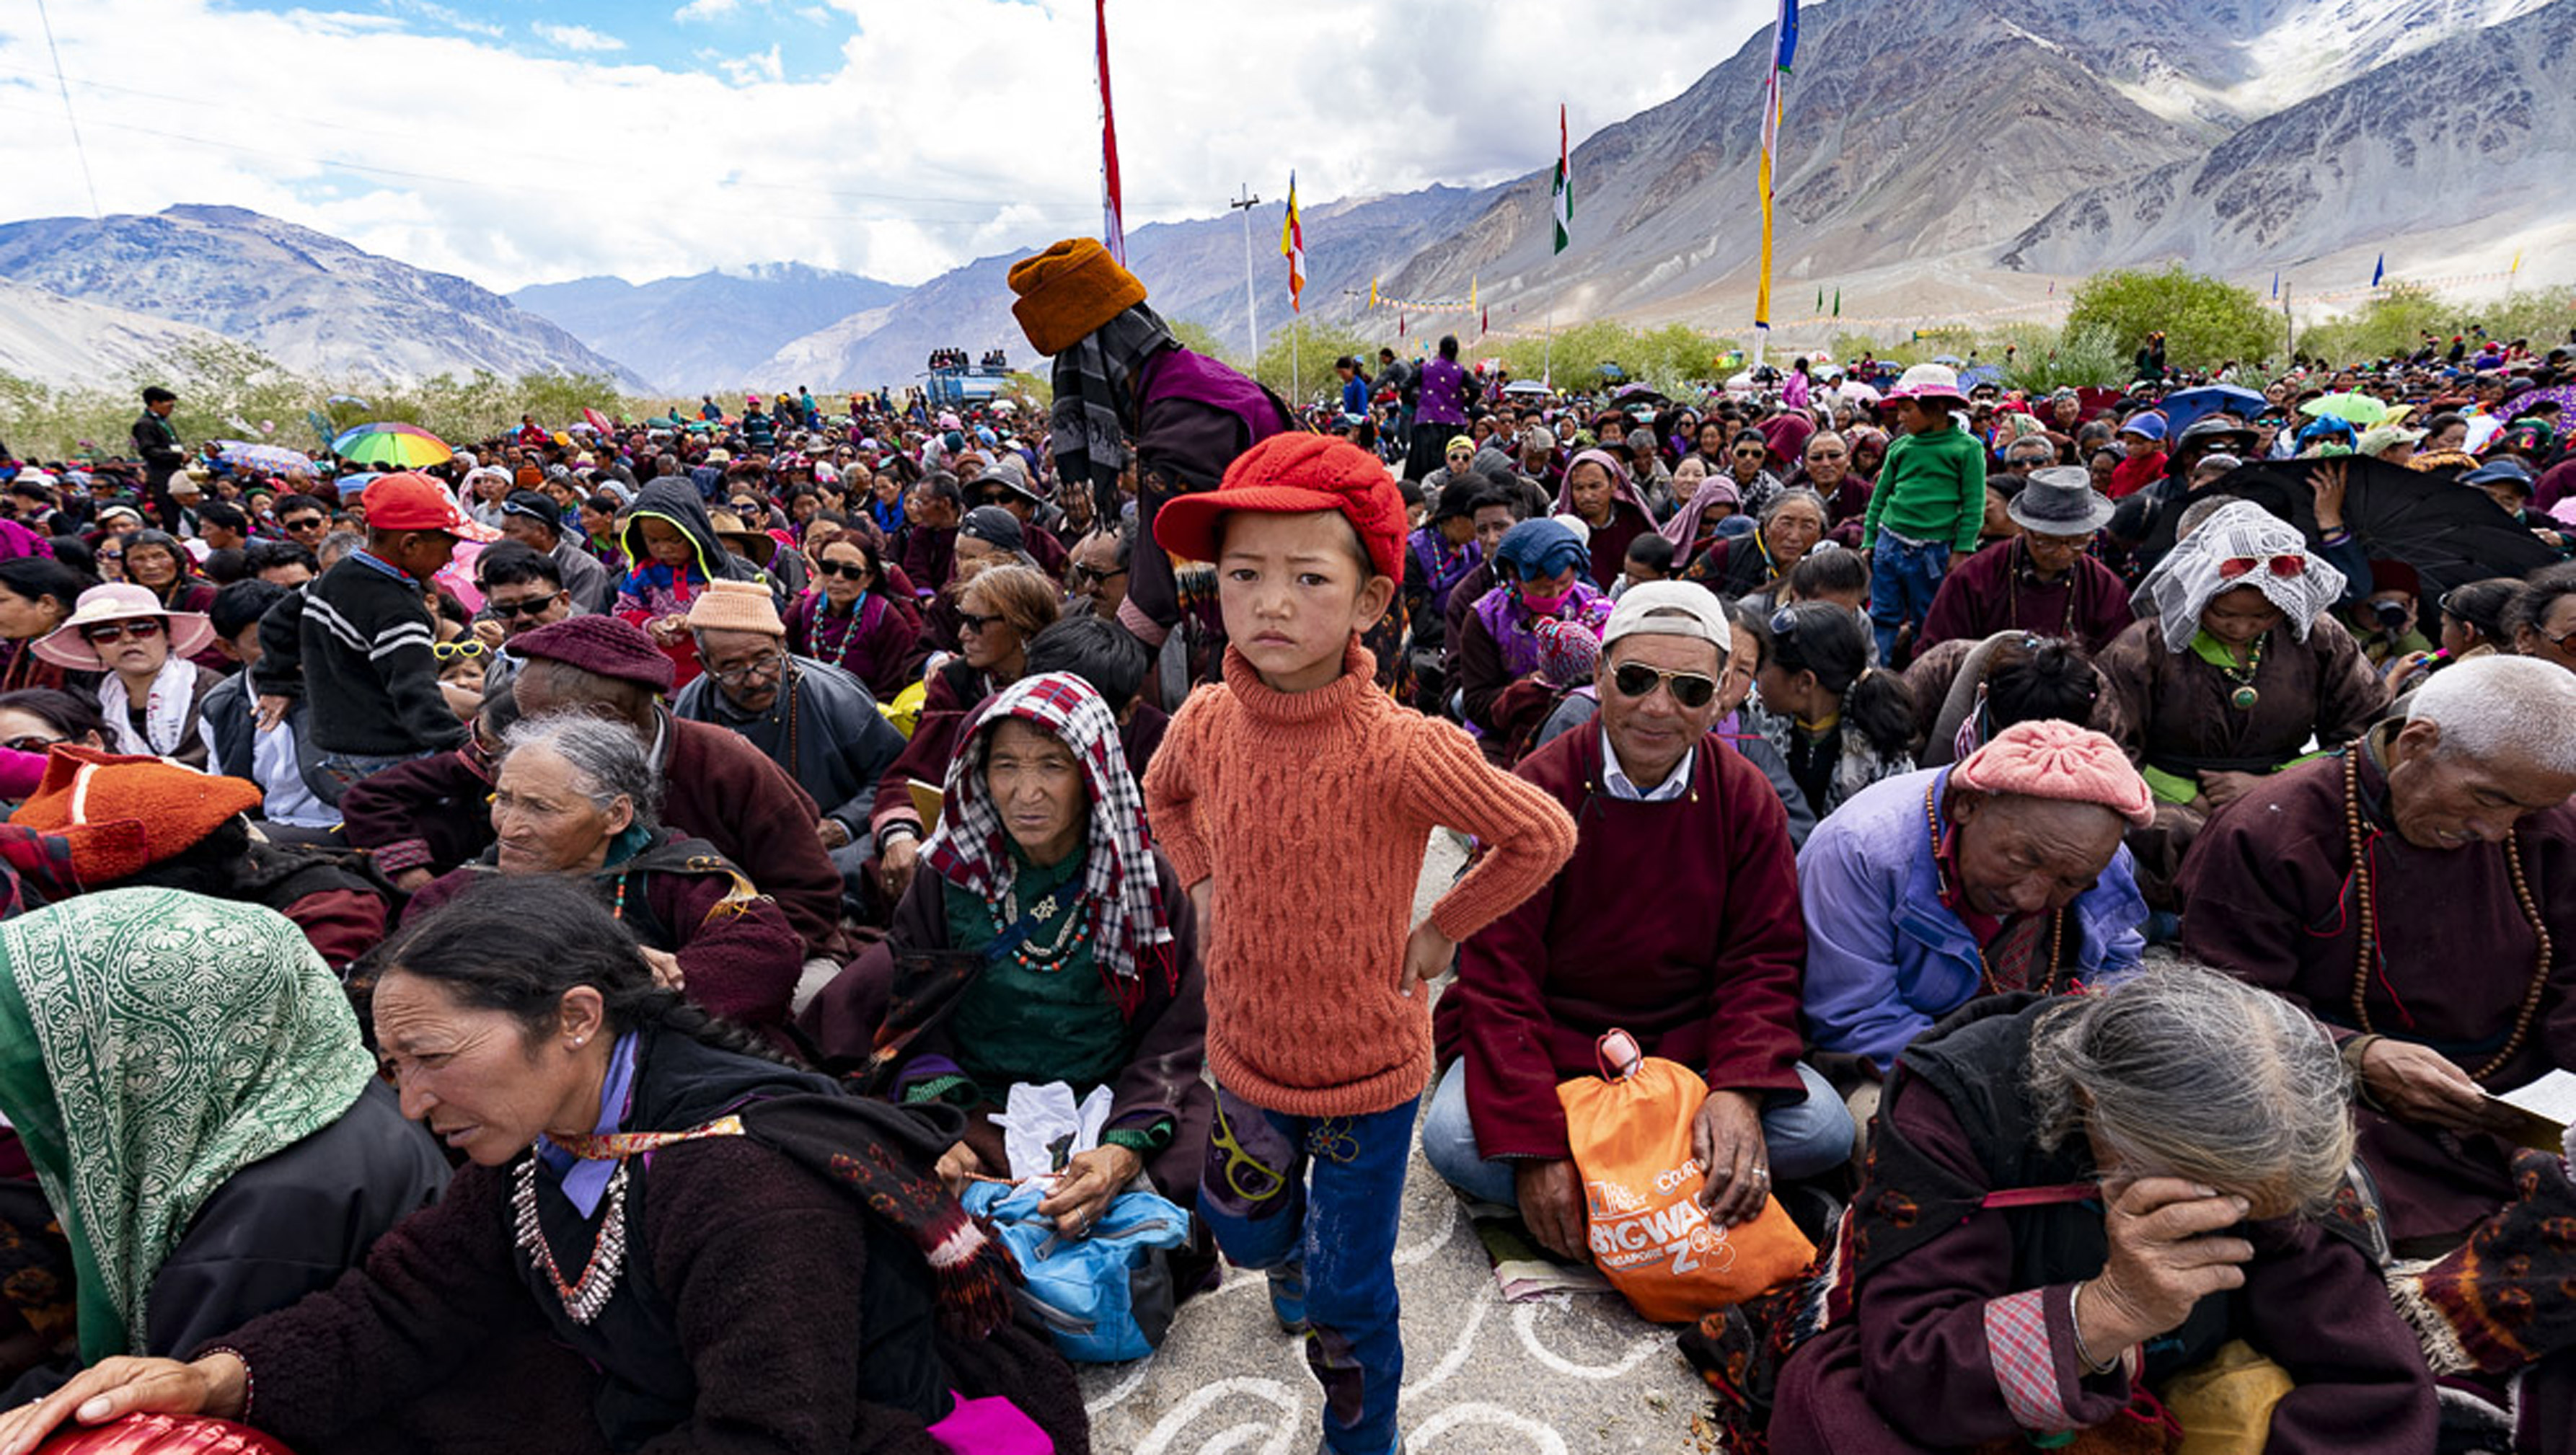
{"x": 1294, "y": 474}
{"x": 412, "y": 501}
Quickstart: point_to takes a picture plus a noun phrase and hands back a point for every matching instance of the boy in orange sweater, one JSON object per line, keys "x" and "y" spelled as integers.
{"x": 1297, "y": 800}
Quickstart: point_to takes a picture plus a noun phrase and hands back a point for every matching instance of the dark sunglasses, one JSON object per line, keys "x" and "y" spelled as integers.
{"x": 968, "y": 621}
{"x": 1082, "y": 575}
{"x": 142, "y": 629}
{"x": 32, "y": 743}
{"x": 530, "y": 606}
{"x": 1637, "y": 680}
{"x": 304, "y": 523}
{"x": 855, "y": 570}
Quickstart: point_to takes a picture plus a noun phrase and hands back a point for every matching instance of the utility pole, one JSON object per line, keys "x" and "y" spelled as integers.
{"x": 1251, "y": 298}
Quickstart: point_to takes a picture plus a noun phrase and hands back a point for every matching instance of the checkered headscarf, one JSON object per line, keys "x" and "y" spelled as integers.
{"x": 1128, "y": 929}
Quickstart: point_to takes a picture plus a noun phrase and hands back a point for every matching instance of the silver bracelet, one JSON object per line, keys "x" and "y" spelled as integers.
{"x": 2075, "y": 1321}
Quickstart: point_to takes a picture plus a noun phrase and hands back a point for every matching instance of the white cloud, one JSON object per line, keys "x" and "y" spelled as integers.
{"x": 927, "y": 135}
{"x": 576, "y": 38}
{"x": 452, "y": 18}
{"x": 705, "y": 10}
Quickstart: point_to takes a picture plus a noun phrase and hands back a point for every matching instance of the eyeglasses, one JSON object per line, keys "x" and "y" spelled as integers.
{"x": 762, "y": 666}
{"x": 465, "y": 647}
{"x": 855, "y": 570}
{"x": 1079, "y": 574}
{"x": 111, "y": 555}
{"x": 1751, "y": 452}
{"x": 141, "y": 629}
{"x": 31, "y": 743}
{"x": 968, "y": 621}
{"x": 2284, "y": 567}
{"x": 524, "y": 606}
{"x": 1637, "y": 680}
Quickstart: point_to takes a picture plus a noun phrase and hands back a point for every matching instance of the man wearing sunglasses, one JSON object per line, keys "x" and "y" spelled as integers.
{"x": 1708, "y": 978}
{"x": 522, "y": 591}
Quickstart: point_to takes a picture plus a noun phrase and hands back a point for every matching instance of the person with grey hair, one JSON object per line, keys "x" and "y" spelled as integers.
{"x": 2411, "y": 892}
{"x": 1793, "y": 520}
{"x": 576, "y": 796}
{"x": 2069, "y": 1200}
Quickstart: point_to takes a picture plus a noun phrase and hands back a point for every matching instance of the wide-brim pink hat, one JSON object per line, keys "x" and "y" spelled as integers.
{"x": 64, "y": 646}
{"x": 1928, "y": 381}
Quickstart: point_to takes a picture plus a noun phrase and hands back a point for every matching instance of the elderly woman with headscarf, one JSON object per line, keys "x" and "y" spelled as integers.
{"x": 1524, "y": 627}
{"x": 260, "y": 1166}
{"x": 1046, "y": 941}
{"x": 1599, "y": 492}
{"x": 738, "y": 1254}
{"x": 2235, "y": 665}
{"x": 1757, "y": 561}
{"x": 574, "y": 796}
{"x": 2068, "y": 1202}
{"x": 1712, "y": 509}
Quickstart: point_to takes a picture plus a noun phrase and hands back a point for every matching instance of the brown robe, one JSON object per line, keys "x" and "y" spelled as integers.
{"x": 2170, "y": 710}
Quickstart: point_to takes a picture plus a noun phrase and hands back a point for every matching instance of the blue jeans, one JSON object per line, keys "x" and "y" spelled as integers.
{"x": 1324, "y": 1192}
{"x": 1804, "y": 1138}
{"x": 334, "y": 772}
{"x": 1903, "y": 578}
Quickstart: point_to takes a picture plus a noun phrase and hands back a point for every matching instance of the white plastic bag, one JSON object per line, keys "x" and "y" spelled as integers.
{"x": 1042, "y": 1126}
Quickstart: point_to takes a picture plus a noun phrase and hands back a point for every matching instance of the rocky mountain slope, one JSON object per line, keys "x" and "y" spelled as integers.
{"x": 709, "y": 331}
{"x": 50, "y": 339}
{"x": 315, "y": 304}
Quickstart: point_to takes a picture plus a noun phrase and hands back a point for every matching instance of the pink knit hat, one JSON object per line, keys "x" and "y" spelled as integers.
{"x": 2048, "y": 759}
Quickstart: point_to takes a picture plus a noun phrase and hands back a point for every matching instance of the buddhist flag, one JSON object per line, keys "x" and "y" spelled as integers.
{"x": 1784, "y": 50}
{"x": 1372, "y": 293}
{"x": 2276, "y": 282}
{"x": 2517, "y": 262}
{"x": 1564, "y": 202}
{"x": 1472, "y": 304}
{"x": 2379, "y": 270}
{"x": 1113, "y": 223}
{"x": 1292, "y": 246}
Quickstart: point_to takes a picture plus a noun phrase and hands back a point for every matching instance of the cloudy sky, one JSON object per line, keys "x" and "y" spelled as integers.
{"x": 524, "y": 141}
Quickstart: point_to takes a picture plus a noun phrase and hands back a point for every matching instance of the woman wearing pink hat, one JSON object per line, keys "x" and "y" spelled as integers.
{"x": 152, "y": 696}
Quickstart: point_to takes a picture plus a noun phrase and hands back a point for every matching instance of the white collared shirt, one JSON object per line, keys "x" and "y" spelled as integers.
{"x": 1615, "y": 778}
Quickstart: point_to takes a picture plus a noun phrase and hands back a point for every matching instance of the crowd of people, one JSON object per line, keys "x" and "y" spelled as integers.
{"x": 2102, "y": 851}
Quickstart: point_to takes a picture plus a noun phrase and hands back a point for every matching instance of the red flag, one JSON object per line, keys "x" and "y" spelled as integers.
{"x": 1484, "y": 321}
{"x": 1113, "y": 226}
{"x": 1399, "y": 325}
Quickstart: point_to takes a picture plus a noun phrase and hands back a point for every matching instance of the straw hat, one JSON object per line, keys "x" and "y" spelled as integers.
{"x": 190, "y": 631}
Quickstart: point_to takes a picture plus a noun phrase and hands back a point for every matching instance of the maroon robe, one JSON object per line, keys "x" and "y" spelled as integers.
{"x": 1913, "y": 1370}
{"x": 2270, "y": 899}
{"x": 716, "y": 786}
{"x": 1709, "y": 977}
{"x": 886, "y": 656}
{"x": 1995, "y": 590}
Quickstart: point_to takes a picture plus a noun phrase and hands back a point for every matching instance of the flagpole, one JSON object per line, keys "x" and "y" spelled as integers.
{"x": 1251, "y": 294}
{"x": 1113, "y": 222}
{"x": 1547, "y": 355}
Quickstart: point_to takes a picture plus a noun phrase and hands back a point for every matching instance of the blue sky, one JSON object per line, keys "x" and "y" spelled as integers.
{"x": 525, "y": 141}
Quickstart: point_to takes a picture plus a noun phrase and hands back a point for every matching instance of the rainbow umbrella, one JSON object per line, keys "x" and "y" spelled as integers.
{"x": 393, "y": 446}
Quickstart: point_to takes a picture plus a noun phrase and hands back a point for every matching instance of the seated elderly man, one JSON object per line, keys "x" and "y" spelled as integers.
{"x": 2071, "y": 1199}
{"x": 1707, "y": 977}
{"x": 715, "y": 785}
{"x": 816, "y": 721}
{"x": 2040, "y": 580}
{"x": 2412, "y": 892}
{"x": 2002, "y": 873}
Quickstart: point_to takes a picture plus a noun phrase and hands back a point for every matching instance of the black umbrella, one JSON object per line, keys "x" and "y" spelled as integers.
{"x": 2450, "y": 533}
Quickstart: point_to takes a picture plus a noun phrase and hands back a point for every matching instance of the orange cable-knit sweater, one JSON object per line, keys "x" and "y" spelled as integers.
{"x": 1313, "y": 810}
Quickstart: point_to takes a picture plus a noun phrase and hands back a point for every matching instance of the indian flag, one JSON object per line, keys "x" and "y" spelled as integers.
{"x": 1564, "y": 202}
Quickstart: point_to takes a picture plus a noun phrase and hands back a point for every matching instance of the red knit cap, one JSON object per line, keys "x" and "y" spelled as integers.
{"x": 1294, "y": 474}
{"x": 2049, "y": 759}
{"x": 601, "y": 645}
{"x": 122, "y": 813}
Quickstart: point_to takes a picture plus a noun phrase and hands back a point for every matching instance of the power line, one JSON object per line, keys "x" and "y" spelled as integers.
{"x": 72, "y": 120}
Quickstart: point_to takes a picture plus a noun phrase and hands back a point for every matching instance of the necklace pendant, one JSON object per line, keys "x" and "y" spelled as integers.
{"x": 1045, "y": 909}
{"x": 2243, "y": 699}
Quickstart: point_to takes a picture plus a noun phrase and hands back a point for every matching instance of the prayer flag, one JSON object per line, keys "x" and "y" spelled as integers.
{"x": 1471, "y": 293}
{"x": 2276, "y": 282}
{"x": 2517, "y": 261}
{"x": 1820, "y": 300}
{"x": 1784, "y": 49}
{"x": 1113, "y": 224}
{"x": 1292, "y": 246}
{"x": 1564, "y": 201}
{"x": 2379, "y": 271}
{"x": 1372, "y": 293}
{"x": 1838, "y": 303}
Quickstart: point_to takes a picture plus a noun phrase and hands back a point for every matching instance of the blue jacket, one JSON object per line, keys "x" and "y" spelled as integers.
{"x": 1885, "y": 958}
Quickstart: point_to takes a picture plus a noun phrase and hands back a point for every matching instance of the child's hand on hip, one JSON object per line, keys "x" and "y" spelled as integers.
{"x": 1426, "y": 957}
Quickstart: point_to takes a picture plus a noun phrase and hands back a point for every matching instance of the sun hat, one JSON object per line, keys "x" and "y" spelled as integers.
{"x": 123, "y": 813}
{"x": 107, "y": 513}
{"x": 1671, "y": 609}
{"x": 603, "y": 646}
{"x": 1068, "y": 291}
{"x": 2051, "y": 759}
{"x": 736, "y": 606}
{"x": 64, "y": 646}
{"x": 2060, "y": 501}
{"x": 1294, "y": 474}
{"x": 412, "y": 501}
{"x": 1928, "y": 381}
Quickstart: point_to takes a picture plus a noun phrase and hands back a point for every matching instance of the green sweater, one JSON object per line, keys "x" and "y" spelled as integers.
{"x": 1931, "y": 488}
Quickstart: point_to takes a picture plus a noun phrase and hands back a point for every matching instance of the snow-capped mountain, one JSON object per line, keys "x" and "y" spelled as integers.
{"x": 318, "y": 306}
